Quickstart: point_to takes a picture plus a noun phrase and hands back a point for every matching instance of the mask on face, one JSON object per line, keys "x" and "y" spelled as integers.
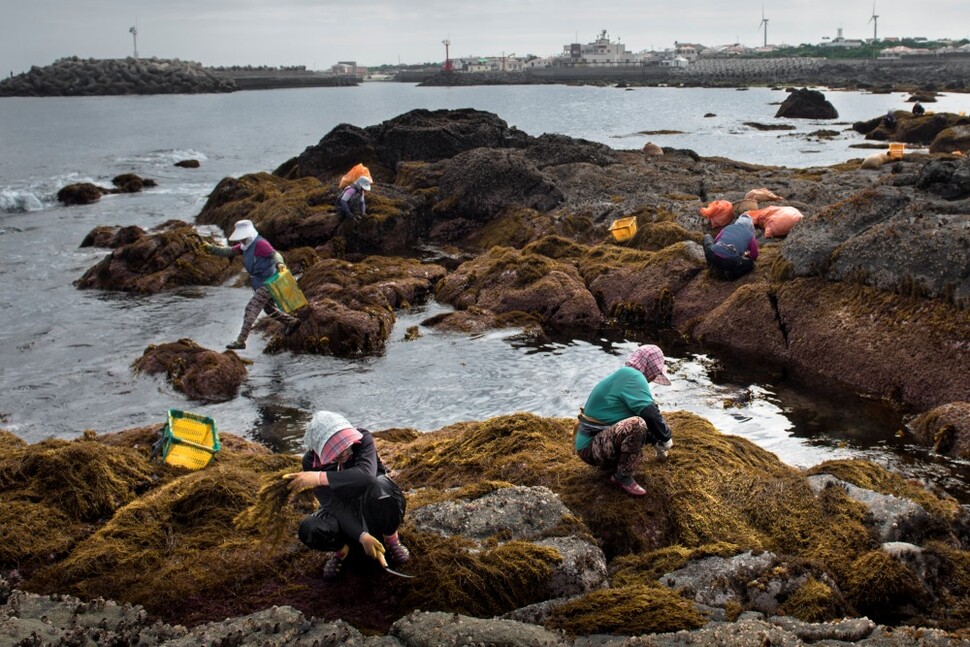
{"x": 247, "y": 242}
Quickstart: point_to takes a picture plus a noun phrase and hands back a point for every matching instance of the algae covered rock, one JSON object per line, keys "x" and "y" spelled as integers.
{"x": 351, "y": 305}
{"x": 162, "y": 260}
{"x": 945, "y": 428}
{"x": 80, "y": 193}
{"x": 505, "y": 280}
{"x": 199, "y": 373}
{"x": 955, "y": 138}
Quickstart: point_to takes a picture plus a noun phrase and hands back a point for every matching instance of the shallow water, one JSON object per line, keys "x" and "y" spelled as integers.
{"x": 65, "y": 355}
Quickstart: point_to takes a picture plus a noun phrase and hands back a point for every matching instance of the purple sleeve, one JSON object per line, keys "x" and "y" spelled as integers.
{"x": 263, "y": 248}
{"x": 753, "y": 248}
{"x": 237, "y": 248}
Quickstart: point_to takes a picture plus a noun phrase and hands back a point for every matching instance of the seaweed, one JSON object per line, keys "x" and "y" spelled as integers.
{"x": 626, "y": 610}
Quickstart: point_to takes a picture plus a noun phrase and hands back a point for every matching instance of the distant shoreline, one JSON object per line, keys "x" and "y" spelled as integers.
{"x": 86, "y": 77}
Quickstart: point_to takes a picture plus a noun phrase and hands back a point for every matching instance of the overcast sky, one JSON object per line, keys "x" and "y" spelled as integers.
{"x": 319, "y": 33}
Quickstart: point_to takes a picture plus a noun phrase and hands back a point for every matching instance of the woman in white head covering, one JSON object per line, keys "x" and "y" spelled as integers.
{"x": 358, "y": 502}
{"x": 262, "y": 262}
{"x": 620, "y": 417}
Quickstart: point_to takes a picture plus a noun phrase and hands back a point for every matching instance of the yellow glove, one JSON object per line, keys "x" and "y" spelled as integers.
{"x": 372, "y": 548}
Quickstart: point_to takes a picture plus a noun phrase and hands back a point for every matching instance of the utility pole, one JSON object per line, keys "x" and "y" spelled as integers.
{"x": 134, "y": 37}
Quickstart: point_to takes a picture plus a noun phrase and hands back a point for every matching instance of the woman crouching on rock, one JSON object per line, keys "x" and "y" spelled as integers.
{"x": 358, "y": 502}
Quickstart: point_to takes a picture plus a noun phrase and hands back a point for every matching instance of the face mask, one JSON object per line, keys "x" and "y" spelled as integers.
{"x": 247, "y": 242}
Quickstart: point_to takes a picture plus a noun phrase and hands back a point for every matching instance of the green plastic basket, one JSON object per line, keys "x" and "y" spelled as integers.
{"x": 286, "y": 293}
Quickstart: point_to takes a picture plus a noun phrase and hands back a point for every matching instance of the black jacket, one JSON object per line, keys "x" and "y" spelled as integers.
{"x": 349, "y": 483}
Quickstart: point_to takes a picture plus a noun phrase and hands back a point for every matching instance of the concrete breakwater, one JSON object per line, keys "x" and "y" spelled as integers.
{"x": 941, "y": 74}
{"x": 74, "y": 76}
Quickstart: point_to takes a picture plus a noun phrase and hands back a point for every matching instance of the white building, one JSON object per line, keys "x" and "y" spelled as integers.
{"x": 602, "y": 51}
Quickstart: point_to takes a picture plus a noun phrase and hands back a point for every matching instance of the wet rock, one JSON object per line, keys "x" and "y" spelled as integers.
{"x": 188, "y": 164}
{"x": 80, "y": 193}
{"x": 131, "y": 183}
{"x": 475, "y": 320}
{"x": 945, "y": 428}
{"x": 199, "y": 373}
{"x": 172, "y": 257}
{"x": 807, "y": 104}
{"x": 848, "y": 630}
{"x": 653, "y": 150}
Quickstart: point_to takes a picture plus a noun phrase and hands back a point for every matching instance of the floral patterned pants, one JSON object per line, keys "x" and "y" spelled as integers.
{"x": 619, "y": 446}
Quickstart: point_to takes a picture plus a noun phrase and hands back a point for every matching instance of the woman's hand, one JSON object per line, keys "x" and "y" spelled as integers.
{"x": 372, "y": 548}
{"x": 300, "y": 481}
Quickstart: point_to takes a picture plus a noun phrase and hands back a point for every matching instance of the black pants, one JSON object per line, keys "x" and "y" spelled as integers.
{"x": 383, "y": 507}
{"x": 729, "y": 267}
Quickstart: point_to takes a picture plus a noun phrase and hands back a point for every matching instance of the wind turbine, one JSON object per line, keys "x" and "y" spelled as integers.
{"x": 134, "y": 37}
{"x": 875, "y": 23}
{"x": 764, "y": 24}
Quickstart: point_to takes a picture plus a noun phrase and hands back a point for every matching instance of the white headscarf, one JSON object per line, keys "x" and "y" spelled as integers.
{"x": 321, "y": 428}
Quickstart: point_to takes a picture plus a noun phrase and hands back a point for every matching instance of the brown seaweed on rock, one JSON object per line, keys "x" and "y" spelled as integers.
{"x": 159, "y": 261}
{"x": 212, "y": 543}
{"x": 352, "y": 305}
{"x": 198, "y": 372}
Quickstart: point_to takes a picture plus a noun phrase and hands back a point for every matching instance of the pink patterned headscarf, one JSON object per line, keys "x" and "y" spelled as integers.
{"x": 649, "y": 360}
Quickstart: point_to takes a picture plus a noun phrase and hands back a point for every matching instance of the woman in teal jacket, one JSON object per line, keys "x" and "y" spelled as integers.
{"x": 620, "y": 417}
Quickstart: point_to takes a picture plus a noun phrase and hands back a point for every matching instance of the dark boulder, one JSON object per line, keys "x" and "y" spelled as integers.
{"x": 131, "y": 183}
{"x": 480, "y": 183}
{"x": 80, "y": 193}
{"x": 187, "y": 163}
{"x": 807, "y": 104}
{"x": 948, "y": 179}
{"x": 419, "y": 135}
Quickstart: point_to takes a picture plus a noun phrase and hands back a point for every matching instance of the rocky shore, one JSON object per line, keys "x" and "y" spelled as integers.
{"x": 516, "y": 541}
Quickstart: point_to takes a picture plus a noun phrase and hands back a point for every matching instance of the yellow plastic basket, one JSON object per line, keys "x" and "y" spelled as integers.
{"x": 286, "y": 293}
{"x": 188, "y": 440}
{"x": 896, "y": 151}
{"x": 623, "y": 229}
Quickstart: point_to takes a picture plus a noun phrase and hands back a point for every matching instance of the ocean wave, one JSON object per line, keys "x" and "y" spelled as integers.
{"x": 20, "y": 201}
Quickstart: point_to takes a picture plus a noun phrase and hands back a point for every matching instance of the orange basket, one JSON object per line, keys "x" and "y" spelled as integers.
{"x": 623, "y": 229}
{"x": 896, "y": 151}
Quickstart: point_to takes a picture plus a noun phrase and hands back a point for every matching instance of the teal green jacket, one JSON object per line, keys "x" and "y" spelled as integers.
{"x": 620, "y": 395}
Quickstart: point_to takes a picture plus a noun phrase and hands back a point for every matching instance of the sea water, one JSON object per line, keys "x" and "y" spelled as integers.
{"x": 66, "y": 354}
